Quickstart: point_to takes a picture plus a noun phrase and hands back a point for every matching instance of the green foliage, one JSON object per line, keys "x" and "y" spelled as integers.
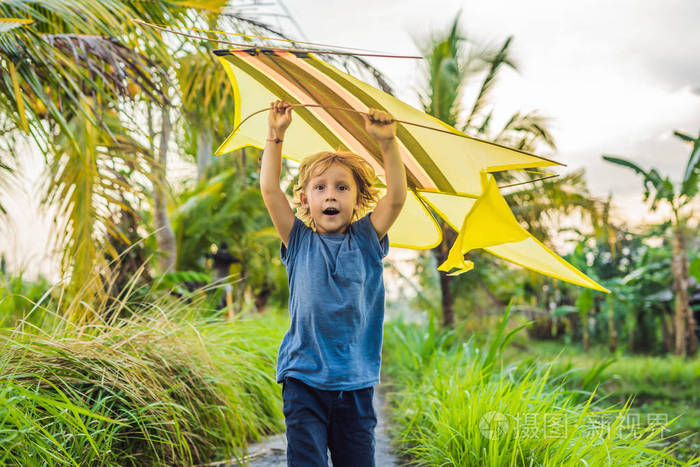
{"x": 165, "y": 387}
{"x": 662, "y": 188}
{"x": 207, "y": 97}
{"x": 641, "y": 289}
{"x": 451, "y": 409}
{"x": 19, "y": 298}
{"x": 227, "y": 206}
{"x": 177, "y": 282}
{"x": 660, "y": 386}
{"x": 691, "y": 175}
{"x": 695, "y": 268}
{"x": 446, "y": 71}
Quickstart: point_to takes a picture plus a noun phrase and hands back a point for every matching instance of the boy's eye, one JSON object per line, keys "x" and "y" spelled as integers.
{"x": 343, "y": 187}
{"x": 319, "y": 186}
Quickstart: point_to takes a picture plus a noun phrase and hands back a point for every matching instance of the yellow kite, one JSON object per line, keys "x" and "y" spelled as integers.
{"x": 445, "y": 169}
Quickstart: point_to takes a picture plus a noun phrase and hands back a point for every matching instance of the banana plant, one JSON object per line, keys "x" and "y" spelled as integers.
{"x": 658, "y": 190}
{"x": 453, "y": 61}
{"x": 221, "y": 208}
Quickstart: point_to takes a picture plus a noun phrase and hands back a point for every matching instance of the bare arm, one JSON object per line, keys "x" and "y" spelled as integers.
{"x": 381, "y": 126}
{"x": 274, "y": 198}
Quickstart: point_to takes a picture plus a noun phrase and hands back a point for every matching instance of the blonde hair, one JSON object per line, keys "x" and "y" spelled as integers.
{"x": 362, "y": 172}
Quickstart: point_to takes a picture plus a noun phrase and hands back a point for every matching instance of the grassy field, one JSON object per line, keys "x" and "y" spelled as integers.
{"x": 662, "y": 388}
{"x": 173, "y": 385}
{"x": 456, "y": 402}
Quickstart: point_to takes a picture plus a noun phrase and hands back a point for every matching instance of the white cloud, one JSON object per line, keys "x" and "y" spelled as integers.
{"x": 613, "y": 76}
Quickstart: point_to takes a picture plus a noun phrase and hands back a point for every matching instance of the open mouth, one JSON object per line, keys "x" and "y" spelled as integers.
{"x": 331, "y": 211}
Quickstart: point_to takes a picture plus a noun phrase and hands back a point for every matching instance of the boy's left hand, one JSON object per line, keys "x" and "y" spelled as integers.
{"x": 380, "y": 125}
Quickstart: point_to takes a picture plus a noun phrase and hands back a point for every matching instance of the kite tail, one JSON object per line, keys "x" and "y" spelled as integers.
{"x": 463, "y": 266}
{"x": 455, "y": 258}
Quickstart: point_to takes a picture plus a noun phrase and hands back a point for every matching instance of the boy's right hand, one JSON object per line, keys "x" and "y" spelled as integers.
{"x": 280, "y": 117}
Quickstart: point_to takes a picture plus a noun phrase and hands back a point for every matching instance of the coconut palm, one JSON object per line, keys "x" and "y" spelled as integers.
{"x": 679, "y": 197}
{"x": 451, "y": 63}
{"x": 66, "y": 79}
{"x": 101, "y": 99}
{"x": 73, "y": 72}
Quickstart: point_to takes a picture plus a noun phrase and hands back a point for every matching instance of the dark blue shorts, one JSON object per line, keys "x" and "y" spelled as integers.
{"x": 318, "y": 420}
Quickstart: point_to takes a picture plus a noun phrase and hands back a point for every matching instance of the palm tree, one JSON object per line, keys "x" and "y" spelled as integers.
{"x": 66, "y": 80}
{"x": 679, "y": 198}
{"x": 100, "y": 98}
{"x": 448, "y": 69}
{"x": 73, "y": 72}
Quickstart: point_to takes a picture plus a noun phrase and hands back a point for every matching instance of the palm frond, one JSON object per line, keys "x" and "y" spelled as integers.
{"x": 207, "y": 98}
{"x": 55, "y": 71}
{"x": 7, "y": 24}
{"x": 661, "y": 187}
{"x": 445, "y": 72}
{"x": 500, "y": 59}
{"x": 527, "y": 132}
{"x": 691, "y": 175}
{"x": 86, "y": 180}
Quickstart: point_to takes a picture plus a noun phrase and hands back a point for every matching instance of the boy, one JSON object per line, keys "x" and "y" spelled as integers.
{"x": 330, "y": 357}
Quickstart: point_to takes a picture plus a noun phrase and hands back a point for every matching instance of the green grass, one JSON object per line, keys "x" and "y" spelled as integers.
{"x": 455, "y": 402}
{"x": 163, "y": 382}
{"x": 660, "y": 387}
{"x": 172, "y": 385}
{"x": 18, "y": 297}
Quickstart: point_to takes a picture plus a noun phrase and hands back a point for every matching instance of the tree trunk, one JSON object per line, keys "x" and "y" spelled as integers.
{"x": 612, "y": 342}
{"x": 448, "y": 313}
{"x": 686, "y": 340}
{"x": 261, "y": 299}
{"x": 691, "y": 324}
{"x": 204, "y": 151}
{"x": 164, "y": 230}
{"x": 584, "y": 329}
{"x": 666, "y": 333}
{"x": 441, "y": 252}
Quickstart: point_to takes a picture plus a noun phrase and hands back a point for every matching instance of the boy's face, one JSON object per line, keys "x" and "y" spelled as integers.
{"x": 333, "y": 189}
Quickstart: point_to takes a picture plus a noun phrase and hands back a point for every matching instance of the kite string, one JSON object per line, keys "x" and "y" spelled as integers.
{"x": 528, "y": 181}
{"x": 399, "y": 121}
{"x": 253, "y": 46}
{"x": 441, "y": 130}
{"x": 271, "y": 38}
{"x": 344, "y": 109}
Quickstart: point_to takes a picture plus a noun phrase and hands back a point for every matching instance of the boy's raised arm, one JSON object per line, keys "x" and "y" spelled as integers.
{"x": 382, "y": 127}
{"x": 274, "y": 198}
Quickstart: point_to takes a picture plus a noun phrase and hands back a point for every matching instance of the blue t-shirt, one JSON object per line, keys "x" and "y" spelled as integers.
{"x": 336, "y": 307}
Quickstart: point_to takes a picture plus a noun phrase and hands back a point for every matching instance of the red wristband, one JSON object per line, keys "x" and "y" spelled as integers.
{"x": 276, "y": 140}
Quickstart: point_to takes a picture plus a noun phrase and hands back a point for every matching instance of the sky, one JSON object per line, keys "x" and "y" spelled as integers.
{"x": 614, "y": 77}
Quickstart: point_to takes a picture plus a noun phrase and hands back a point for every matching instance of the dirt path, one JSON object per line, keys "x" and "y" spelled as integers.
{"x": 272, "y": 452}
